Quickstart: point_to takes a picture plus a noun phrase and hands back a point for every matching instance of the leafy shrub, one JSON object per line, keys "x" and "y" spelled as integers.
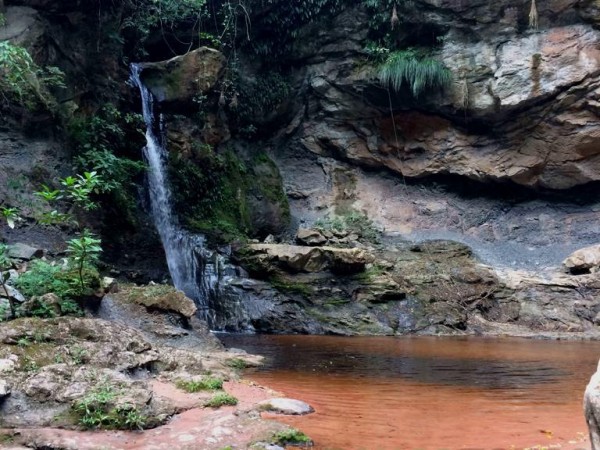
{"x": 23, "y": 81}
{"x": 221, "y": 399}
{"x": 236, "y": 363}
{"x": 98, "y": 410}
{"x": 103, "y": 143}
{"x": 291, "y": 437}
{"x": 84, "y": 252}
{"x": 282, "y": 19}
{"x": 353, "y": 222}
{"x": 145, "y": 16}
{"x": 420, "y": 73}
{"x": 43, "y": 278}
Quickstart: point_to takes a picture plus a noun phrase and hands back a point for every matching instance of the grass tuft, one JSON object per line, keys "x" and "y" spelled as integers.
{"x": 221, "y": 399}
{"x": 420, "y": 73}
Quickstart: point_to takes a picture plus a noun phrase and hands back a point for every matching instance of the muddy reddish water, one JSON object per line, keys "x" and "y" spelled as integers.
{"x": 430, "y": 393}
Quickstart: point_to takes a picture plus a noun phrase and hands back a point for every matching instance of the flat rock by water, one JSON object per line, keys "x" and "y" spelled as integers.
{"x": 287, "y": 406}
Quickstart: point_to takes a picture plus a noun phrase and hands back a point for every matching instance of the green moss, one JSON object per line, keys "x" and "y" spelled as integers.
{"x": 337, "y": 301}
{"x": 291, "y": 287}
{"x": 369, "y": 275}
{"x": 7, "y": 438}
{"x": 212, "y": 192}
{"x": 236, "y": 363}
{"x": 136, "y": 294}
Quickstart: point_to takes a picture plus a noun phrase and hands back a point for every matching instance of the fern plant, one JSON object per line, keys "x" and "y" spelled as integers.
{"x": 419, "y": 72}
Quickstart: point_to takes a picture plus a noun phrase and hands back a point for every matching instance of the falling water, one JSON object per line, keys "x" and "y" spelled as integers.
{"x": 193, "y": 269}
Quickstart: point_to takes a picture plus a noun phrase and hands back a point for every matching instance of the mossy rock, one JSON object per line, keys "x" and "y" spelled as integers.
{"x": 229, "y": 198}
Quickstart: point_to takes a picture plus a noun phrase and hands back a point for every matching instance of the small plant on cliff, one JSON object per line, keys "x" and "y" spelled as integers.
{"x": 11, "y": 215}
{"x": 23, "y": 81}
{"x": 84, "y": 251}
{"x": 236, "y": 363}
{"x": 351, "y": 222}
{"x": 98, "y": 410}
{"x": 291, "y": 437}
{"x": 420, "y": 73}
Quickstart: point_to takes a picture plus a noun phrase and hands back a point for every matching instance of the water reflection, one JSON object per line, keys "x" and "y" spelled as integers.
{"x": 402, "y": 393}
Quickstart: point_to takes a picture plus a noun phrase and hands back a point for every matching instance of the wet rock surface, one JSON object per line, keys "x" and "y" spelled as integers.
{"x": 591, "y": 404}
{"x": 181, "y": 78}
{"x": 54, "y": 370}
{"x": 287, "y": 406}
{"x": 428, "y": 288}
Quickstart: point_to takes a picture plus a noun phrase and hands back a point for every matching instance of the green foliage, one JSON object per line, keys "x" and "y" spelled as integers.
{"x": 211, "y": 191}
{"x": 420, "y": 73}
{"x": 289, "y": 287}
{"x": 256, "y": 100}
{"x": 79, "y": 355}
{"x": 281, "y": 21}
{"x": 43, "y": 278}
{"x": 84, "y": 251}
{"x": 79, "y": 189}
{"x": 291, "y": 437}
{"x": 145, "y": 17}
{"x": 370, "y": 274}
{"x": 23, "y": 82}
{"x": 102, "y": 141}
{"x": 236, "y": 363}
{"x": 97, "y": 410}
{"x": 6, "y": 261}
{"x": 205, "y": 384}
{"x": 11, "y": 215}
{"x": 221, "y": 399}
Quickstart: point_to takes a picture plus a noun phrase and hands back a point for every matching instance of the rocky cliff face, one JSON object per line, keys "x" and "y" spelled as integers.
{"x": 505, "y": 159}
{"x": 520, "y": 108}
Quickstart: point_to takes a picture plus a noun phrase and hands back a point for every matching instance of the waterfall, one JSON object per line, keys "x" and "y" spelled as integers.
{"x": 193, "y": 269}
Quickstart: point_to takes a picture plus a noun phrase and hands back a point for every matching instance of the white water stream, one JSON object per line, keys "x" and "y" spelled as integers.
{"x": 189, "y": 263}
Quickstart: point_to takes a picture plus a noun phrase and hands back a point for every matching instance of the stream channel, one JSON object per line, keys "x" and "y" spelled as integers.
{"x": 430, "y": 392}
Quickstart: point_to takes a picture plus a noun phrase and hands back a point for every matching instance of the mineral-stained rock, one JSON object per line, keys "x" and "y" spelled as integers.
{"x": 163, "y": 298}
{"x": 297, "y": 258}
{"x": 583, "y": 259}
{"x": 310, "y": 236}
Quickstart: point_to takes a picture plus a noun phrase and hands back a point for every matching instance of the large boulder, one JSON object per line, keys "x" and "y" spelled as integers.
{"x": 310, "y": 236}
{"x": 286, "y": 406}
{"x": 22, "y": 26}
{"x": 162, "y": 298}
{"x": 591, "y": 404}
{"x": 24, "y": 251}
{"x": 296, "y": 258}
{"x": 181, "y": 78}
{"x": 583, "y": 260}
